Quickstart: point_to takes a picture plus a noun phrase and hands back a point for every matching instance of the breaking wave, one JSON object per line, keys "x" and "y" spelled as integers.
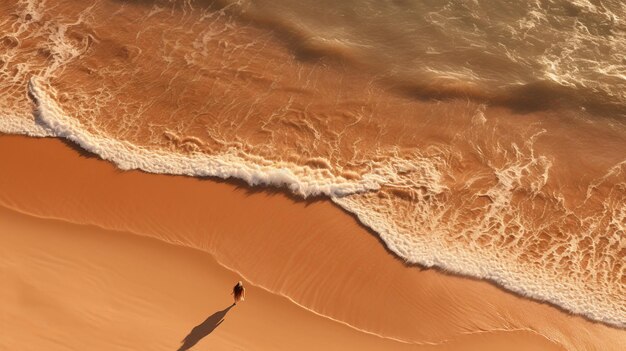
{"x": 354, "y": 196}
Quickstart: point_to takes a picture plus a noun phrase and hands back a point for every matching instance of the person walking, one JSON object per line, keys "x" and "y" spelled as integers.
{"x": 239, "y": 292}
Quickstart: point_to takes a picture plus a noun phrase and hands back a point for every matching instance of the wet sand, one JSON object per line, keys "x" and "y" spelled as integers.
{"x": 316, "y": 278}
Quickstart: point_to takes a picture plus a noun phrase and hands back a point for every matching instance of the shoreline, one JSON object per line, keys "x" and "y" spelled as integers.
{"x": 129, "y": 157}
{"x": 488, "y": 178}
{"x": 460, "y": 300}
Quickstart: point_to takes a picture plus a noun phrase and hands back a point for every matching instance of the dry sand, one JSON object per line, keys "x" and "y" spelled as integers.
{"x": 316, "y": 278}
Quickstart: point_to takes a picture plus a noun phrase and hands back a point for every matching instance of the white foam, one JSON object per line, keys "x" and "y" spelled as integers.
{"x": 301, "y": 180}
{"x": 14, "y": 124}
{"x": 537, "y": 285}
{"x": 306, "y": 181}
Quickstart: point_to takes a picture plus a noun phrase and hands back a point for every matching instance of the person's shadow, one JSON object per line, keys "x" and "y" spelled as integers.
{"x": 203, "y": 329}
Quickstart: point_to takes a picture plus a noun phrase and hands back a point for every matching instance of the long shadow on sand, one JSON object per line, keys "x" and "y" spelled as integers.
{"x": 203, "y": 329}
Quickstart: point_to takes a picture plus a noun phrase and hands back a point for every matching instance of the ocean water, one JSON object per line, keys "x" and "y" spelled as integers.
{"x": 486, "y": 138}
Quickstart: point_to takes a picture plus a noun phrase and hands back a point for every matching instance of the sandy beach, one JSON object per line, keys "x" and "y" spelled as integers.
{"x": 380, "y": 175}
{"x": 97, "y": 258}
{"x": 80, "y": 287}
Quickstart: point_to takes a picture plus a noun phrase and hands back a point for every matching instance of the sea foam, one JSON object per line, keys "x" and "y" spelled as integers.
{"x": 301, "y": 180}
{"x": 304, "y": 181}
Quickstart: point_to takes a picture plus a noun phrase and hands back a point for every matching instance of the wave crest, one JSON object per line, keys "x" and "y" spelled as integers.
{"x": 356, "y": 194}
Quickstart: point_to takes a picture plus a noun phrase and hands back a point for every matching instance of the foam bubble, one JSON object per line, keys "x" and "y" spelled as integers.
{"x": 355, "y": 195}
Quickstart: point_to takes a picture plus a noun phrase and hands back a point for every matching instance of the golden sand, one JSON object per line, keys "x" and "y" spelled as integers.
{"x": 70, "y": 286}
{"x": 75, "y": 285}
